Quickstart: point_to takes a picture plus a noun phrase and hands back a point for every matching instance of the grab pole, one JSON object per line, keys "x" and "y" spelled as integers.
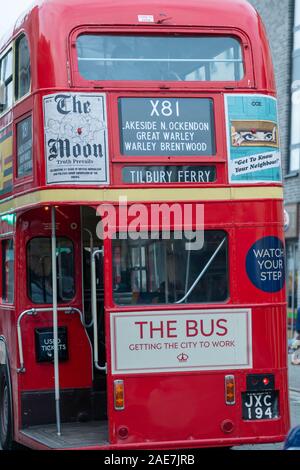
{"x": 55, "y": 322}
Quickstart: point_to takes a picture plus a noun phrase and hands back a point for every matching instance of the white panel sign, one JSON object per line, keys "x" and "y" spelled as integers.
{"x": 146, "y": 18}
{"x": 193, "y": 340}
{"x": 76, "y": 138}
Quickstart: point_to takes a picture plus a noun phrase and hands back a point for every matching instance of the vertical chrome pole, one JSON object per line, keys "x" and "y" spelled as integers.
{"x": 94, "y": 310}
{"x": 91, "y": 265}
{"x": 166, "y": 272}
{"x": 94, "y": 307}
{"x": 55, "y": 322}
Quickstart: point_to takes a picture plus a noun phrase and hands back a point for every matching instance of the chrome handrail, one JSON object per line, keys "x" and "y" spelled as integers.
{"x": 202, "y": 273}
{"x": 33, "y": 312}
{"x": 94, "y": 310}
{"x": 89, "y": 325}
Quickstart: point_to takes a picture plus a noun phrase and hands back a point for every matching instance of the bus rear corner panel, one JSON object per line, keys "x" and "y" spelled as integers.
{"x": 194, "y": 411}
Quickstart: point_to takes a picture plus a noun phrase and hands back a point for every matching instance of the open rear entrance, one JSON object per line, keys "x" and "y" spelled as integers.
{"x": 74, "y": 435}
{"x": 80, "y": 392}
{"x": 93, "y": 293}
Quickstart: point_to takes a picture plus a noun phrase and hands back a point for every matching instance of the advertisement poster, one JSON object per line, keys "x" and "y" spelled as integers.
{"x": 24, "y": 147}
{"x": 265, "y": 264}
{"x": 252, "y": 139}
{"x": 76, "y": 138}
{"x": 6, "y": 159}
{"x": 175, "y": 341}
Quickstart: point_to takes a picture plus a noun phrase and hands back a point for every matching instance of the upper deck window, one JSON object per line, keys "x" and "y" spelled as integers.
{"x": 22, "y": 67}
{"x": 157, "y": 58}
{"x": 6, "y": 81}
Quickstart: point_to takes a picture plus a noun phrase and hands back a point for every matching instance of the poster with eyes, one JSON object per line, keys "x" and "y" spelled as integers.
{"x": 252, "y": 139}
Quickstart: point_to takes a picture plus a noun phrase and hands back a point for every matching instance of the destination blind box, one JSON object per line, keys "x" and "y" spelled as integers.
{"x": 169, "y": 174}
{"x": 167, "y": 127}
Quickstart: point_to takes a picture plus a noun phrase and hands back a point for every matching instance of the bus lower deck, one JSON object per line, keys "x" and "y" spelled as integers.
{"x": 142, "y": 280}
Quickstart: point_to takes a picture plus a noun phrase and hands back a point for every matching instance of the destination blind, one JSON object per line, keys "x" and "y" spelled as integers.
{"x": 169, "y": 174}
{"x": 166, "y": 127}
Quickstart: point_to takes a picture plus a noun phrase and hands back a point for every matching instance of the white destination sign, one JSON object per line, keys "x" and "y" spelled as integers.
{"x": 147, "y": 342}
{"x": 76, "y": 138}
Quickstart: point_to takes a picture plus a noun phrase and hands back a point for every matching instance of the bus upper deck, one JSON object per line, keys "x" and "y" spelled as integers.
{"x": 147, "y": 119}
{"x": 137, "y": 100}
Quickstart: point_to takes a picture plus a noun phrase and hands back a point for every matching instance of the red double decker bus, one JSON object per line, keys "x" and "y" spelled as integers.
{"x": 142, "y": 299}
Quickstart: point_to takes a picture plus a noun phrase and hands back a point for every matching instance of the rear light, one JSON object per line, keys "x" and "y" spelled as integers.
{"x": 227, "y": 426}
{"x": 119, "y": 395}
{"x": 229, "y": 390}
{"x": 123, "y": 432}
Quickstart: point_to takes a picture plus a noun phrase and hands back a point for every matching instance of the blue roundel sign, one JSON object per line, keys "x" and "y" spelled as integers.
{"x": 265, "y": 264}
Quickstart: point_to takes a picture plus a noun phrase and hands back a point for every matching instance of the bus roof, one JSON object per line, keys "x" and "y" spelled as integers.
{"x": 49, "y": 24}
{"x": 231, "y": 13}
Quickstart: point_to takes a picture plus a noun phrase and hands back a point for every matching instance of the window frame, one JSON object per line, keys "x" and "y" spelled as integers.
{"x": 7, "y": 301}
{"x": 10, "y": 79}
{"x": 169, "y": 43}
{"x": 28, "y": 276}
{"x": 219, "y": 133}
{"x": 16, "y": 67}
{"x": 12, "y": 46}
{"x": 191, "y": 304}
{"x": 77, "y": 80}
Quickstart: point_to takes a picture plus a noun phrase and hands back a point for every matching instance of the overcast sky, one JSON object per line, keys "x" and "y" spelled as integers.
{"x": 10, "y": 11}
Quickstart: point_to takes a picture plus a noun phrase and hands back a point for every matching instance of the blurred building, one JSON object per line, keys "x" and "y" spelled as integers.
{"x": 282, "y": 21}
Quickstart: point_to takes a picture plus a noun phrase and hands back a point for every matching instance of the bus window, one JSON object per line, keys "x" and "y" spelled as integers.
{"x": 183, "y": 58}
{"x": 166, "y": 272}
{"x": 6, "y": 82}
{"x": 8, "y": 271}
{"x": 22, "y": 67}
{"x": 39, "y": 270}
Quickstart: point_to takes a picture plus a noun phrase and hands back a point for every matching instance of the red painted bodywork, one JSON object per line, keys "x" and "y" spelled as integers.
{"x": 162, "y": 410}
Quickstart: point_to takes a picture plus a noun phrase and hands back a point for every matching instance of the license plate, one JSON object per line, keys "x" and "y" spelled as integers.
{"x": 260, "y": 405}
